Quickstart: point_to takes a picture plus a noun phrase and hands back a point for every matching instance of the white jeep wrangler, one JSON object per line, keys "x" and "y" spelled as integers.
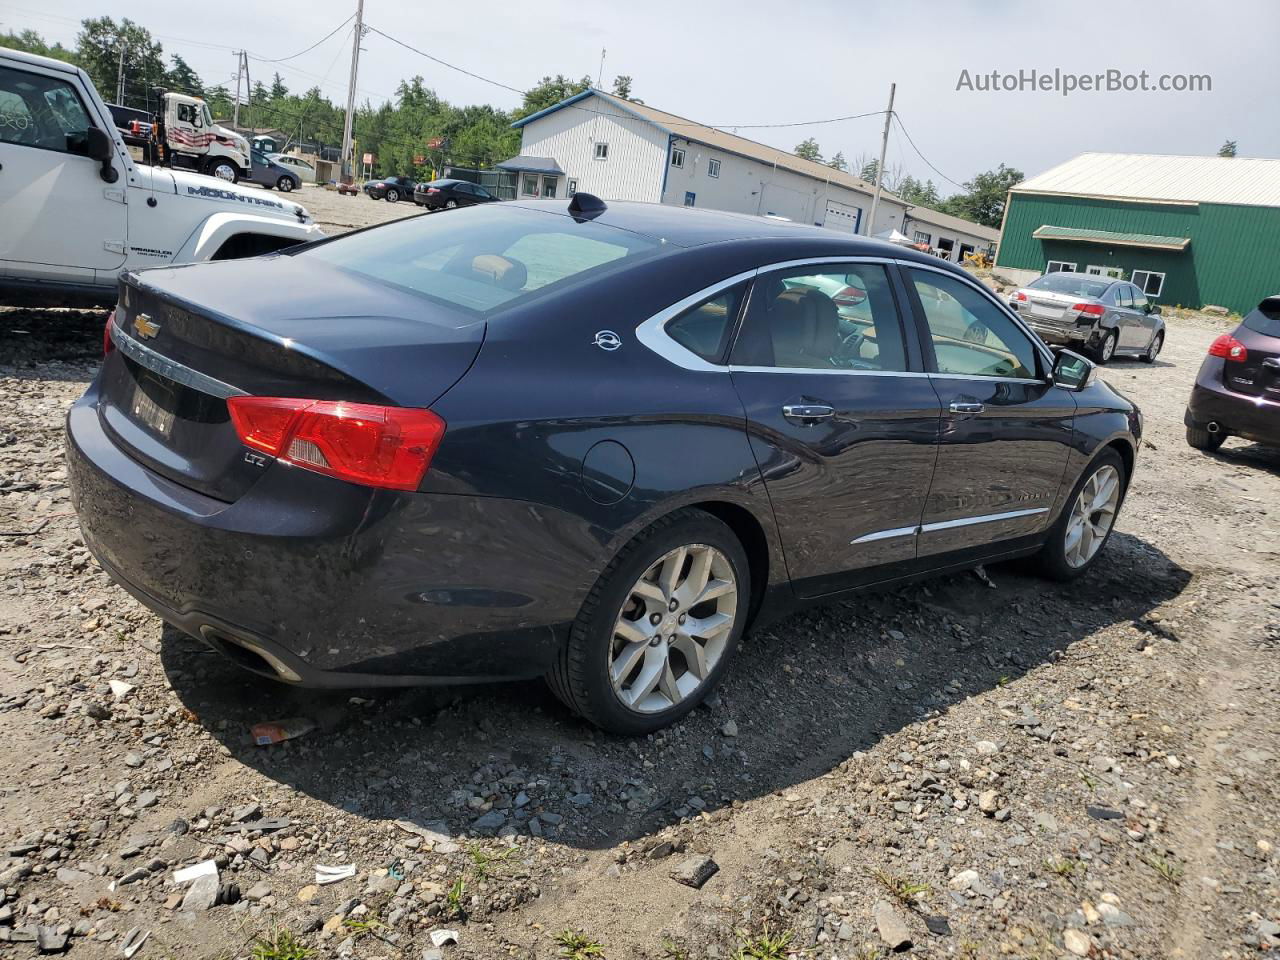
{"x": 76, "y": 210}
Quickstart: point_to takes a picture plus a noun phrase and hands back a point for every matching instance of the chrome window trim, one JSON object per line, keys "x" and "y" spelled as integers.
{"x": 171, "y": 369}
{"x": 822, "y": 371}
{"x": 1036, "y": 343}
{"x": 947, "y": 525}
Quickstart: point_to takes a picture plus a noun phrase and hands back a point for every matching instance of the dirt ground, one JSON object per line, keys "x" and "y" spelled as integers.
{"x": 956, "y": 769}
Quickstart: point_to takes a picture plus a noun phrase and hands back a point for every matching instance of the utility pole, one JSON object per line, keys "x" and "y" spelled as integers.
{"x": 242, "y": 70}
{"x": 884, "y": 148}
{"x": 600, "y": 75}
{"x": 347, "y": 143}
{"x": 120, "y": 74}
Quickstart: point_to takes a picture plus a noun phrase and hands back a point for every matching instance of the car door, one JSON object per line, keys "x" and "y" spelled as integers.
{"x": 1006, "y": 428}
{"x": 841, "y": 418}
{"x": 1129, "y": 320}
{"x": 49, "y": 183}
{"x": 1144, "y": 321}
{"x": 463, "y": 191}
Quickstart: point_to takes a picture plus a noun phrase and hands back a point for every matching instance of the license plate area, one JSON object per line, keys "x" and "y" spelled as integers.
{"x": 154, "y": 404}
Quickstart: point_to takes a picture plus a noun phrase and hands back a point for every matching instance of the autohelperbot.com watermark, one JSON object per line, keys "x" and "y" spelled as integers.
{"x": 1065, "y": 82}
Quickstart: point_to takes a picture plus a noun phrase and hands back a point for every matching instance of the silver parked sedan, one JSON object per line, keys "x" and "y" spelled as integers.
{"x": 1105, "y": 317}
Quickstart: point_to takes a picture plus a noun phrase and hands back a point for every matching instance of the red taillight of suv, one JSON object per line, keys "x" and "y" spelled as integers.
{"x": 1229, "y": 348}
{"x": 1020, "y": 296}
{"x": 1089, "y": 309}
{"x": 362, "y": 443}
{"x": 107, "y": 343}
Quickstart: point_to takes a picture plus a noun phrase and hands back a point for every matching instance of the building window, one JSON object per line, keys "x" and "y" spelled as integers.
{"x": 713, "y": 168}
{"x": 572, "y": 188}
{"x": 922, "y": 237}
{"x": 1149, "y": 282}
{"x": 1059, "y": 266}
{"x": 529, "y": 185}
{"x": 689, "y": 198}
{"x": 1115, "y": 273}
{"x": 602, "y": 151}
{"x": 945, "y": 247}
{"x": 677, "y": 158}
{"x": 549, "y": 187}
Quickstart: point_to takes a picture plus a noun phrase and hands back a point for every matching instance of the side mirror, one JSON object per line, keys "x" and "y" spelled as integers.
{"x": 1072, "y": 371}
{"x": 103, "y": 149}
{"x": 1153, "y": 309}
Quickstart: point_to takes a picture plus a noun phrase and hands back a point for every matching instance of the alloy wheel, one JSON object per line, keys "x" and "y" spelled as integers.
{"x": 223, "y": 171}
{"x": 1092, "y": 515}
{"x": 673, "y": 628}
{"x": 1108, "y": 347}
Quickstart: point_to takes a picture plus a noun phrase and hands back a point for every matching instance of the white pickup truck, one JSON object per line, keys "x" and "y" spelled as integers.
{"x": 76, "y": 209}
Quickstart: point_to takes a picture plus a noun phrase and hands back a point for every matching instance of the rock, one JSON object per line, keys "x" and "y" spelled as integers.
{"x": 893, "y": 929}
{"x": 1214, "y": 310}
{"x": 490, "y": 822}
{"x": 986, "y": 748}
{"x": 441, "y": 937}
{"x": 730, "y": 728}
{"x": 134, "y": 875}
{"x": 70, "y": 877}
{"x": 146, "y": 799}
{"x": 1113, "y": 916}
{"x": 989, "y": 802}
{"x": 259, "y": 891}
{"x": 1077, "y": 942}
{"x": 202, "y": 894}
{"x": 581, "y": 799}
{"x": 308, "y": 893}
{"x": 97, "y": 711}
{"x": 50, "y": 940}
{"x": 120, "y": 689}
{"x": 134, "y": 760}
{"x": 963, "y": 880}
{"x": 695, "y": 871}
{"x": 249, "y": 811}
{"x": 1103, "y": 813}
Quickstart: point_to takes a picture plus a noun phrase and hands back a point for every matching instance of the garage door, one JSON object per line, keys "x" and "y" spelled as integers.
{"x": 842, "y": 216}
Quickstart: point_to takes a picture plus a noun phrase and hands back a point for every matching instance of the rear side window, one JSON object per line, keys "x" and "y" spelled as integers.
{"x": 487, "y": 257}
{"x": 843, "y": 317}
{"x": 706, "y": 328}
{"x": 1266, "y": 319}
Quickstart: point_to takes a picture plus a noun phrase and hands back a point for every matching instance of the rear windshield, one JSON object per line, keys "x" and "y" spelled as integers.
{"x": 484, "y": 257}
{"x": 1073, "y": 284}
{"x": 1266, "y": 319}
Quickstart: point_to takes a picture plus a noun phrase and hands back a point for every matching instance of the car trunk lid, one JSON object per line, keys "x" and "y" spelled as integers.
{"x": 188, "y": 339}
{"x": 1258, "y": 374}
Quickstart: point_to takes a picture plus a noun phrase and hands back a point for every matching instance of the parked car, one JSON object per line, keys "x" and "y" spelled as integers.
{"x": 1237, "y": 392}
{"x": 447, "y": 194}
{"x": 269, "y": 174}
{"x": 529, "y": 456}
{"x": 1105, "y": 317}
{"x": 299, "y": 166}
{"x": 390, "y": 189}
{"x": 89, "y": 210}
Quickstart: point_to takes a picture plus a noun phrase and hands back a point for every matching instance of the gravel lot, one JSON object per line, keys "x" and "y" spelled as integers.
{"x": 1013, "y": 768}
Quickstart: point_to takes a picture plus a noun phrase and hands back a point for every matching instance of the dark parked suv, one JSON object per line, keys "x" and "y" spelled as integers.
{"x": 1237, "y": 391}
{"x": 584, "y": 442}
{"x": 447, "y": 194}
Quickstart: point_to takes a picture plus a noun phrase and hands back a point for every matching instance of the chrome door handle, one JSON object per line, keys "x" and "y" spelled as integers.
{"x": 958, "y": 406}
{"x": 806, "y": 412}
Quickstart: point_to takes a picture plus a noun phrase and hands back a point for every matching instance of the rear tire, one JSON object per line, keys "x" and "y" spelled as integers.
{"x": 611, "y": 672}
{"x": 393, "y": 195}
{"x": 1087, "y": 520}
{"x": 1106, "y": 349}
{"x": 1202, "y": 439}
{"x": 1153, "y": 351}
{"x": 451, "y": 204}
{"x": 284, "y": 185}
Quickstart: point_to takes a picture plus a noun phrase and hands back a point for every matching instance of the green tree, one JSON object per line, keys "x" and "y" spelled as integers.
{"x": 983, "y": 198}
{"x": 31, "y": 42}
{"x": 838, "y": 162}
{"x": 918, "y": 193}
{"x": 622, "y": 87}
{"x": 548, "y": 92}
{"x": 1228, "y": 149}
{"x": 98, "y": 48}
{"x": 181, "y": 76}
{"x": 808, "y": 149}
{"x": 278, "y": 90}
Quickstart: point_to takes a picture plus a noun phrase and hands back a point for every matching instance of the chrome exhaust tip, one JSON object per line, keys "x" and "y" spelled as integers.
{"x": 1213, "y": 426}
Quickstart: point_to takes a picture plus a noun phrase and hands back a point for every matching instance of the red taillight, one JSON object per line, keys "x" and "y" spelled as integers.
{"x": 850, "y": 297}
{"x": 1229, "y": 348}
{"x": 1020, "y": 296}
{"x": 433, "y": 189}
{"x": 360, "y": 442}
{"x": 107, "y": 343}
{"x": 1089, "y": 309}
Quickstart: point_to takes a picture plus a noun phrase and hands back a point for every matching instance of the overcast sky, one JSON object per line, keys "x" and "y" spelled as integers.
{"x": 751, "y": 62}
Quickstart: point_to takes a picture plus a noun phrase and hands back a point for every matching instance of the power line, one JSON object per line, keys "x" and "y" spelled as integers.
{"x": 898, "y": 119}
{"x": 445, "y": 63}
{"x": 309, "y": 49}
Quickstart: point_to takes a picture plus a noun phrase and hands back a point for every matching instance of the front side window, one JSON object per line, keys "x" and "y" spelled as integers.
{"x": 706, "y": 328}
{"x": 1139, "y": 298}
{"x": 677, "y": 158}
{"x": 495, "y": 256}
{"x": 713, "y": 168}
{"x": 971, "y": 336}
{"x": 44, "y": 112}
{"x": 843, "y": 317}
{"x": 602, "y": 151}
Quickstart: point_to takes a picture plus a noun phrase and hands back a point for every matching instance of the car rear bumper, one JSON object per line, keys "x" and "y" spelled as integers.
{"x": 323, "y": 583}
{"x": 1063, "y": 333}
{"x": 1241, "y": 415}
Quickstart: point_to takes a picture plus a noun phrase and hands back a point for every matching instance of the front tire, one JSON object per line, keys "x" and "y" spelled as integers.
{"x": 1153, "y": 351}
{"x": 284, "y": 185}
{"x": 1106, "y": 349}
{"x": 223, "y": 170}
{"x": 451, "y": 204}
{"x": 659, "y": 628}
{"x": 1077, "y": 538}
{"x": 393, "y": 196}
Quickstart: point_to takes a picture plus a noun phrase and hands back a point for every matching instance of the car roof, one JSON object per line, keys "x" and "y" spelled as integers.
{"x": 448, "y": 180}
{"x": 38, "y": 61}
{"x": 696, "y": 226}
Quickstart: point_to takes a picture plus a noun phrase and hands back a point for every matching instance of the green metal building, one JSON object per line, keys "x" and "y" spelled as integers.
{"x": 1190, "y": 231}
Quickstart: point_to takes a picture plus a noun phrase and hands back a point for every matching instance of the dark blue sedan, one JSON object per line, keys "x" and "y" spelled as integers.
{"x": 592, "y": 443}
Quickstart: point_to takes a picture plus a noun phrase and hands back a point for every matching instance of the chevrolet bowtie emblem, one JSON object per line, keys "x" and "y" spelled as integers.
{"x": 145, "y": 326}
